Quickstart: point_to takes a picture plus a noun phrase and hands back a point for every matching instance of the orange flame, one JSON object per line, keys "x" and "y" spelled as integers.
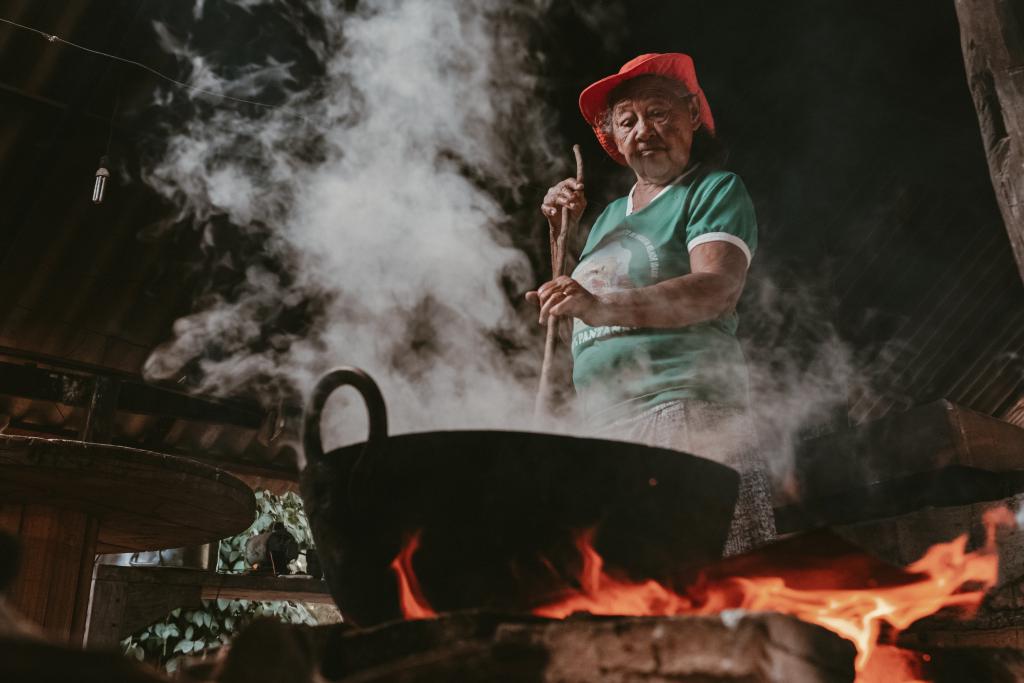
{"x": 889, "y": 663}
{"x": 414, "y": 605}
{"x": 946, "y": 576}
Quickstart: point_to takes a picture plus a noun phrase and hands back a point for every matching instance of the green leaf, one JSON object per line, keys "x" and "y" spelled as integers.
{"x": 222, "y": 604}
{"x": 198, "y": 646}
{"x": 171, "y": 665}
{"x": 238, "y": 566}
{"x": 188, "y": 633}
{"x": 199, "y": 618}
{"x": 176, "y": 612}
{"x": 183, "y": 646}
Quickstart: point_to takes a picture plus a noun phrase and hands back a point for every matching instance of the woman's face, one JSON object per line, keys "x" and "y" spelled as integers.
{"x": 653, "y": 129}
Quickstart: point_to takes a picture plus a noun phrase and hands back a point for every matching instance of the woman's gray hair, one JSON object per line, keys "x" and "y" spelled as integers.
{"x": 627, "y": 89}
{"x": 706, "y": 149}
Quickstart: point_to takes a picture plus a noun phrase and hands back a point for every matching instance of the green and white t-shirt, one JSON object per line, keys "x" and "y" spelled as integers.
{"x": 619, "y": 371}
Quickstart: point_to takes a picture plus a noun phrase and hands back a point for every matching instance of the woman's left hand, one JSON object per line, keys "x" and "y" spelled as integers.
{"x": 563, "y": 296}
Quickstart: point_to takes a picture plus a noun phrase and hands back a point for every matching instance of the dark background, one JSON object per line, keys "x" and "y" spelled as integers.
{"x": 853, "y": 128}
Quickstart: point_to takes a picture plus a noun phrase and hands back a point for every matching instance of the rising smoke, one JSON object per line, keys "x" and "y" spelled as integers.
{"x": 379, "y": 188}
{"x": 378, "y": 195}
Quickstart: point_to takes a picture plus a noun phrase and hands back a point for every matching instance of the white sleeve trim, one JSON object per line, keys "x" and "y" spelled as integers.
{"x": 721, "y": 237}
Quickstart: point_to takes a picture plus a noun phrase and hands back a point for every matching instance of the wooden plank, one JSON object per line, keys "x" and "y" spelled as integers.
{"x": 236, "y": 587}
{"x": 53, "y": 542}
{"x": 76, "y": 389}
{"x": 68, "y": 539}
{"x": 992, "y": 40}
{"x": 119, "y": 605}
{"x": 224, "y": 586}
{"x": 124, "y": 599}
{"x": 105, "y": 616}
{"x": 29, "y": 591}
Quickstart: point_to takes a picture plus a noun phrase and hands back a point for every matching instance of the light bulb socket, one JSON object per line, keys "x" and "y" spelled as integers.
{"x": 99, "y": 186}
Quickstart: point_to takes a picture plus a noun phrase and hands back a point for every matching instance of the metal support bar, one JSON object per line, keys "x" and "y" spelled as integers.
{"x": 99, "y": 420}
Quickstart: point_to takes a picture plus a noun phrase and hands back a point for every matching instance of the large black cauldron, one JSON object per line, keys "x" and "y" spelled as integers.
{"x": 499, "y": 512}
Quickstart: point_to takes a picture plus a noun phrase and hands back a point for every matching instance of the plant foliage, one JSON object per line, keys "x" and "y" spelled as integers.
{"x": 197, "y": 631}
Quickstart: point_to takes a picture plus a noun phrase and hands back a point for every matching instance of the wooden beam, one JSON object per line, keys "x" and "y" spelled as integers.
{"x": 124, "y": 599}
{"x": 992, "y": 39}
{"x": 131, "y": 396}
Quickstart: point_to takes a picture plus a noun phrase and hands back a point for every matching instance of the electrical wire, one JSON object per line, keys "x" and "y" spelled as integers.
{"x": 52, "y": 38}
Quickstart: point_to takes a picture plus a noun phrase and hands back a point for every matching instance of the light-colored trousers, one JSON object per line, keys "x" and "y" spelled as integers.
{"x": 718, "y": 432}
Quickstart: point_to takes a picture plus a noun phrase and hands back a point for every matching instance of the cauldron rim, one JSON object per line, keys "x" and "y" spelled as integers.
{"x": 498, "y": 434}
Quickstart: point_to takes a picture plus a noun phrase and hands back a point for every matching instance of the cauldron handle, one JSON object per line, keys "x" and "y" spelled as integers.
{"x": 364, "y": 384}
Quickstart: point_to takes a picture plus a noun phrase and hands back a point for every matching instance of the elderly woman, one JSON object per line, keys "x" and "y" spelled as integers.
{"x": 655, "y": 356}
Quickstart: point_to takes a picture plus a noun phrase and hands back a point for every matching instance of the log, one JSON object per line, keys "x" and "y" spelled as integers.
{"x": 937, "y": 454}
{"x": 748, "y": 647}
{"x": 992, "y": 39}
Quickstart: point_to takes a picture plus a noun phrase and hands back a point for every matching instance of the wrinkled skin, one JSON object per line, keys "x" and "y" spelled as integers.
{"x": 653, "y": 128}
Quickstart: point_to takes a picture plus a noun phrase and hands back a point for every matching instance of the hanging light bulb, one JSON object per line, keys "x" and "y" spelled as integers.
{"x": 100, "y": 186}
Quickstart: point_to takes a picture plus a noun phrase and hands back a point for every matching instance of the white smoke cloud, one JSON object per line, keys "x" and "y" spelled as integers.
{"x": 379, "y": 222}
{"x": 379, "y": 185}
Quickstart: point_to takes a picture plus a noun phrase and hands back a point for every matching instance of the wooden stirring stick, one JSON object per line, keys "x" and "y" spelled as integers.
{"x": 558, "y": 240}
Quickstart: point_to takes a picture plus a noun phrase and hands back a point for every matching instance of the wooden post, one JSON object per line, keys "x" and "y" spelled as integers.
{"x": 57, "y": 551}
{"x": 99, "y": 421}
{"x": 992, "y": 39}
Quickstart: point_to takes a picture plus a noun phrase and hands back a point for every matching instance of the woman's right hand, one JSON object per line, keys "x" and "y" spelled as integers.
{"x": 568, "y": 193}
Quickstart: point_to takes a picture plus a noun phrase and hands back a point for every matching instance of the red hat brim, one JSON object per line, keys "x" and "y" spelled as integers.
{"x": 674, "y": 65}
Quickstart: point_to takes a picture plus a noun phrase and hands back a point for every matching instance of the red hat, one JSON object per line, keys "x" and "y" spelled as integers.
{"x": 674, "y": 65}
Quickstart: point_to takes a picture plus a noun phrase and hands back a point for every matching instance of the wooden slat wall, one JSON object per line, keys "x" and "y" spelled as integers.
{"x": 56, "y": 559}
